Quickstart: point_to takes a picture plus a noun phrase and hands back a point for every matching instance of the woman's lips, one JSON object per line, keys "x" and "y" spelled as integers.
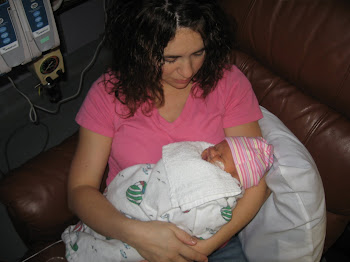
{"x": 183, "y": 81}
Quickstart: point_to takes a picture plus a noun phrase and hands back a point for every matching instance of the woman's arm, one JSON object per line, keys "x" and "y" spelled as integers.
{"x": 84, "y": 198}
{"x": 156, "y": 241}
{"x": 251, "y": 129}
{"x": 247, "y": 207}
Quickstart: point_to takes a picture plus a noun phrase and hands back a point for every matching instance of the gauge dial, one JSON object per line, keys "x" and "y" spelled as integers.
{"x": 49, "y": 65}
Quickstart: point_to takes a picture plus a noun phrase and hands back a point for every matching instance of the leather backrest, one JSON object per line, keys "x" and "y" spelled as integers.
{"x": 297, "y": 56}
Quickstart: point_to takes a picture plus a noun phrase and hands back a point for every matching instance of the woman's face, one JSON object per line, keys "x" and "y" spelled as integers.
{"x": 183, "y": 57}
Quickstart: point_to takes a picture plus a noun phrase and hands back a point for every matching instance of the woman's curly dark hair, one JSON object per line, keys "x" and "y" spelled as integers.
{"x": 137, "y": 31}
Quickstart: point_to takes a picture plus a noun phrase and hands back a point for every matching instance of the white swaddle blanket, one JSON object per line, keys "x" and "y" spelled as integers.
{"x": 182, "y": 189}
{"x": 192, "y": 180}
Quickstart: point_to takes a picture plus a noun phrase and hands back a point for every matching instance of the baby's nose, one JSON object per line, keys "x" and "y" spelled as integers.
{"x": 213, "y": 152}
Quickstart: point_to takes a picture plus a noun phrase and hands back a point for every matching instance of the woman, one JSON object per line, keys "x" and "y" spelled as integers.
{"x": 171, "y": 80}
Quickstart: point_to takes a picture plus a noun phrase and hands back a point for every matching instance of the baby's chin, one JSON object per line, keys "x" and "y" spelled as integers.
{"x": 219, "y": 165}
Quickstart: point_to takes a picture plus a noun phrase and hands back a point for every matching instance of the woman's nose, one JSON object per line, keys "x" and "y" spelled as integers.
{"x": 186, "y": 69}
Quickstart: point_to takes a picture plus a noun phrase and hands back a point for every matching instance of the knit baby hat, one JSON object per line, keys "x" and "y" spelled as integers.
{"x": 253, "y": 157}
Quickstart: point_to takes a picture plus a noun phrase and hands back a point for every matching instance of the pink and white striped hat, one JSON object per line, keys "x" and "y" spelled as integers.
{"x": 253, "y": 157}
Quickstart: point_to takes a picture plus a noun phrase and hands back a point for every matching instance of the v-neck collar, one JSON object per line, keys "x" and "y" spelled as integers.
{"x": 170, "y": 125}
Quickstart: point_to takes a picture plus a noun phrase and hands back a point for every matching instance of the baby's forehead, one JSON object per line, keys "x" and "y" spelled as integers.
{"x": 222, "y": 143}
{"x": 223, "y": 147}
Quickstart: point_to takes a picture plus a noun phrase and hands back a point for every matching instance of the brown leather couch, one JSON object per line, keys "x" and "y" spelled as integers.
{"x": 296, "y": 53}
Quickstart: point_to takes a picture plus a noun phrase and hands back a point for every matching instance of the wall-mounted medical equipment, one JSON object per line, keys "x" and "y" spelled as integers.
{"x": 48, "y": 67}
{"x": 27, "y": 29}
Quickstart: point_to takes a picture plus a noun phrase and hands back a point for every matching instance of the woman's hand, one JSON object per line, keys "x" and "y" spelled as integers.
{"x": 205, "y": 247}
{"x": 161, "y": 241}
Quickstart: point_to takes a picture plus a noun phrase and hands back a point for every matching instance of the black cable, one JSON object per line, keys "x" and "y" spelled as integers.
{"x": 32, "y": 112}
{"x": 15, "y": 132}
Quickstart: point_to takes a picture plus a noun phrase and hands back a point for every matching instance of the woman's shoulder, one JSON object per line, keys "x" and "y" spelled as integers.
{"x": 233, "y": 75}
{"x": 102, "y": 88}
{"x": 106, "y": 82}
{"x": 101, "y": 95}
{"x": 232, "y": 81}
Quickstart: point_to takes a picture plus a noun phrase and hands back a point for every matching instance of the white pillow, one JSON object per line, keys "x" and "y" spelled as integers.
{"x": 291, "y": 225}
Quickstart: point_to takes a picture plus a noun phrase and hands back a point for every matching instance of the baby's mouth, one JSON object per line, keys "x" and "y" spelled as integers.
{"x": 219, "y": 165}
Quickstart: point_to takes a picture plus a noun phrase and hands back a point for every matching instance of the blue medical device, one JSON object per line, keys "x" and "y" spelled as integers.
{"x": 27, "y": 29}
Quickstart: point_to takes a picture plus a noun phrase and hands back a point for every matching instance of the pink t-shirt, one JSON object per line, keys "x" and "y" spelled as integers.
{"x": 140, "y": 139}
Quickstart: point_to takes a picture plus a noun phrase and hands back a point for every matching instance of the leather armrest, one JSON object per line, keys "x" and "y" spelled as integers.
{"x": 35, "y": 194}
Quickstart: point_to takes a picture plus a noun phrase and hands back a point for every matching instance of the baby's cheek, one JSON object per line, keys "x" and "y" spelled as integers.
{"x": 205, "y": 155}
{"x": 219, "y": 164}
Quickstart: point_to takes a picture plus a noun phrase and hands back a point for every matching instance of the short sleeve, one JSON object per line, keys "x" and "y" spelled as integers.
{"x": 97, "y": 112}
{"x": 238, "y": 97}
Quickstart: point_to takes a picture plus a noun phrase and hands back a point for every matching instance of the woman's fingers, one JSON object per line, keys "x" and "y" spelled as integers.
{"x": 184, "y": 237}
{"x": 188, "y": 253}
{"x": 185, "y": 250}
{"x": 165, "y": 242}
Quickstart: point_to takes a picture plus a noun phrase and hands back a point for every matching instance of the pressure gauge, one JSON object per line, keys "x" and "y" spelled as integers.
{"x": 49, "y": 64}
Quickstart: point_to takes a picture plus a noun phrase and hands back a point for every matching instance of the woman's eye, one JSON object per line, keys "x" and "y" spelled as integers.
{"x": 200, "y": 53}
{"x": 170, "y": 60}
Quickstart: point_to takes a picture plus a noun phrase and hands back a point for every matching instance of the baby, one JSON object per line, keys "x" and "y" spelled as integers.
{"x": 147, "y": 192}
{"x": 246, "y": 158}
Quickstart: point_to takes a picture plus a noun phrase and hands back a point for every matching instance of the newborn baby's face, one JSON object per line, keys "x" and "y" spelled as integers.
{"x": 220, "y": 155}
